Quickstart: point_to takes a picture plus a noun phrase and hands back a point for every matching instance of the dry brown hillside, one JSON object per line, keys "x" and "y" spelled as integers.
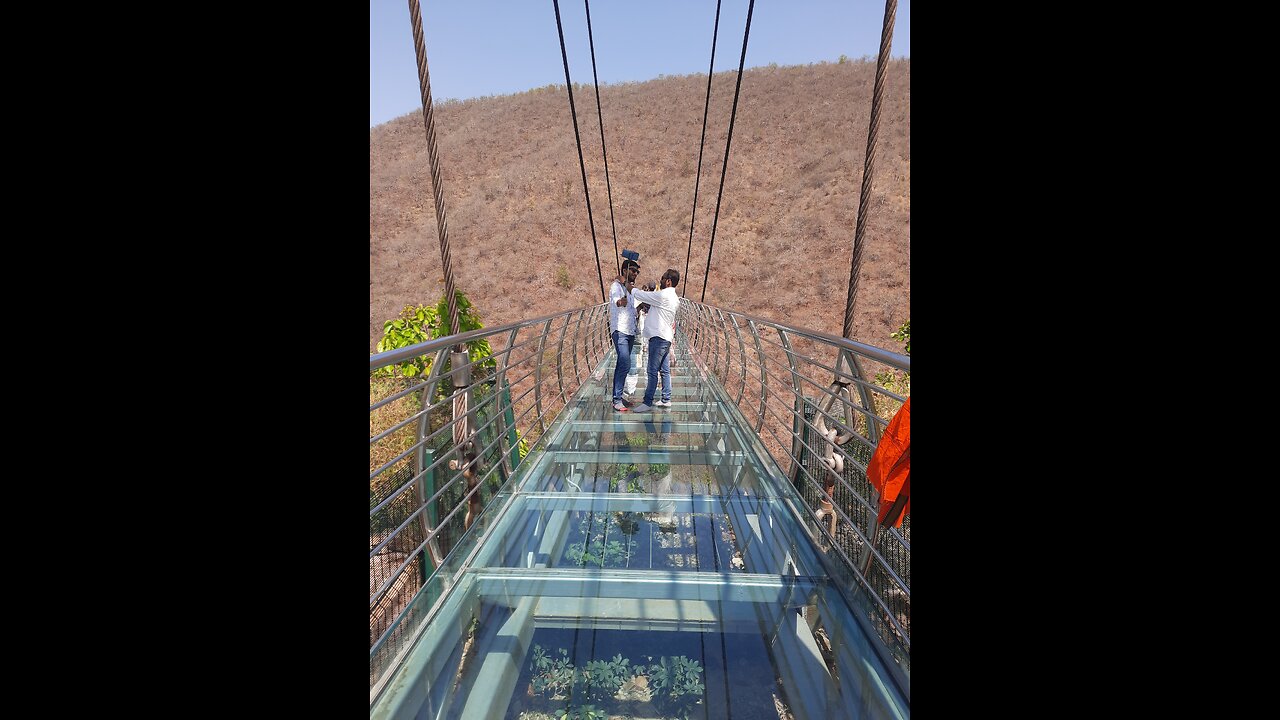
{"x": 783, "y": 245}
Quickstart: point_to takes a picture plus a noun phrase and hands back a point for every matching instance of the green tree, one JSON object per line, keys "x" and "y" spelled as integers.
{"x": 413, "y": 325}
{"x": 419, "y": 323}
{"x": 904, "y": 334}
{"x": 898, "y": 381}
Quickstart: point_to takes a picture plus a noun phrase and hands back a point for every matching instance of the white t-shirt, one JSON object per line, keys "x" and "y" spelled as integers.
{"x": 621, "y": 318}
{"x": 663, "y": 306}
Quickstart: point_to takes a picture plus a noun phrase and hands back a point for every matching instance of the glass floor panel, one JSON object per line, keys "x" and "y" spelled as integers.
{"x": 641, "y": 566}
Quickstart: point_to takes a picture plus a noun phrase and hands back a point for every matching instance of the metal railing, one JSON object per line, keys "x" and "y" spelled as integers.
{"x": 819, "y": 404}
{"x": 419, "y": 396}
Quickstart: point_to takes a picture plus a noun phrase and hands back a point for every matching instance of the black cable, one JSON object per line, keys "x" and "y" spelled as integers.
{"x": 732, "y": 116}
{"x": 715, "y": 30}
{"x": 581, "y": 163}
{"x": 605, "y": 152}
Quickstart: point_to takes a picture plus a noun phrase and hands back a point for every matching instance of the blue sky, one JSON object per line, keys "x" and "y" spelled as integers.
{"x": 498, "y": 47}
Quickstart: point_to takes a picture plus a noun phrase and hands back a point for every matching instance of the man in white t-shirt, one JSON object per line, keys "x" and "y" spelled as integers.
{"x": 622, "y": 326}
{"x": 660, "y": 325}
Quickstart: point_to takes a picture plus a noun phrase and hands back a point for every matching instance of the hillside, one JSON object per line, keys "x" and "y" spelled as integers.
{"x": 518, "y": 220}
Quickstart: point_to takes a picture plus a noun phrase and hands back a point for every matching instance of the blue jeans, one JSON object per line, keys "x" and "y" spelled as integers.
{"x": 659, "y": 360}
{"x": 633, "y": 374}
{"x": 622, "y": 343}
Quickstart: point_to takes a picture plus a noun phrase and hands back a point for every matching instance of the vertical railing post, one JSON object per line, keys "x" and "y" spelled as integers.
{"x": 764, "y": 385}
{"x": 873, "y": 536}
{"x": 601, "y": 324}
{"x": 795, "y": 387}
{"x": 742, "y": 353}
{"x": 577, "y": 331}
{"x": 713, "y": 354}
{"x": 564, "y": 330}
{"x": 715, "y": 341}
{"x": 797, "y": 441}
{"x": 714, "y": 331}
{"x": 597, "y": 333}
{"x": 705, "y": 338}
{"x": 424, "y": 488}
{"x": 688, "y": 324}
{"x": 499, "y": 385}
{"x": 728, "y": 352}
{"x": 695, "y": 333}
{"x": 422, "y": 458}
{"x": 694, "y": 337}
{"x": 537, "y": 376}
{"x": 848, "y": 363}
{"x": 588, "y": 341}
{"x": 513, "y": 434}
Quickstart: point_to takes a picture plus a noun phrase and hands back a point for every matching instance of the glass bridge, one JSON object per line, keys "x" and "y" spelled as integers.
{"x": 657, "y": 565}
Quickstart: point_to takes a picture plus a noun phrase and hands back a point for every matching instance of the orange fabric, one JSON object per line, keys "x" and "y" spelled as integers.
{"x": 890, "y": 468}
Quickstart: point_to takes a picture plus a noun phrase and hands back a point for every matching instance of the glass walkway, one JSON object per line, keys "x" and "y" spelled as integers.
{"x": 655, "y": 565}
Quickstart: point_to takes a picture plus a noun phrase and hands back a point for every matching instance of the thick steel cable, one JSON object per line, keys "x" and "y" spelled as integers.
{"x": 581, "y": 163}
{"x": 729, "y": 141}
{"x": 868, "y": 168}
{"x": 437, "y": 189}
{"x": 715, "y": 29}
{"x": 442, "y": 222}
{"x": 600, "y": 114}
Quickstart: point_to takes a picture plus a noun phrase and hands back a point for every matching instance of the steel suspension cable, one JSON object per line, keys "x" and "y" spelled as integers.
{"x": 715, "y": 29}
{"x": 728, "y": 141}
{"x": 437, "y": 188}
{"x": 605, "y": 152}
{"x": 868, "y": 168}
{"x": 464, "y": 418}
{"x": 581, "y": 163}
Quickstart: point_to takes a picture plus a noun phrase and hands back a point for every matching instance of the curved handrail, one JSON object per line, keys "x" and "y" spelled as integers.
{"x": 391, "y": 357}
